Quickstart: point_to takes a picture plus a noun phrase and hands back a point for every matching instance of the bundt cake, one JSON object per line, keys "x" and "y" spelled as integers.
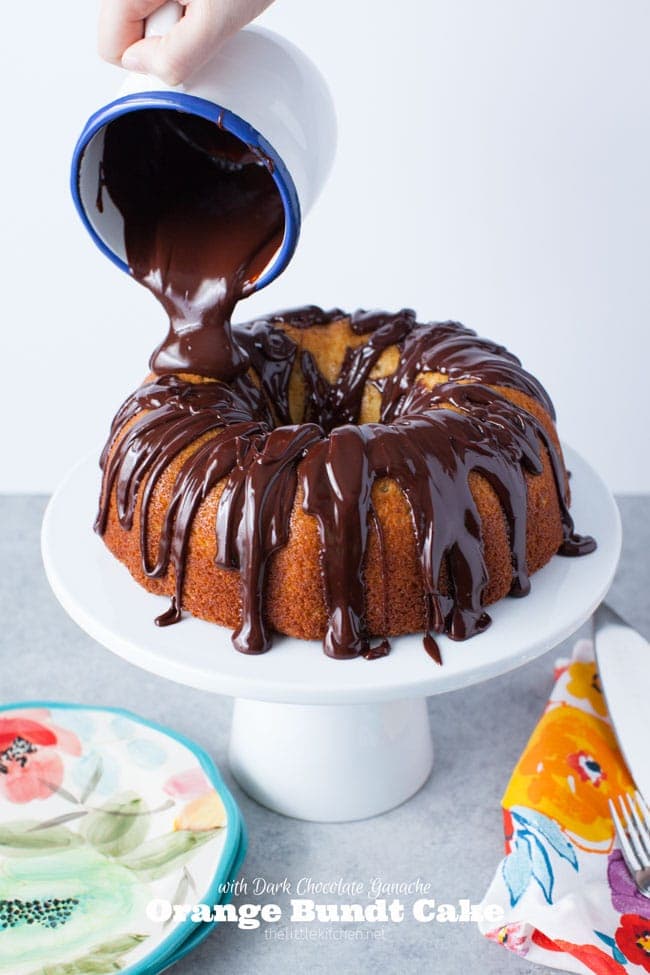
{"x": 368, "y": 475}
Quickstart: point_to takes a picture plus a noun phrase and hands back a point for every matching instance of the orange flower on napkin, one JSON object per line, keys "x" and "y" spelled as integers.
{"x": 569, "y": 770}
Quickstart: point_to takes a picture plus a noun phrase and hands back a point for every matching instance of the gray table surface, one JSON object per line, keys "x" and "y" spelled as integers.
{"x": 449, "y": 834}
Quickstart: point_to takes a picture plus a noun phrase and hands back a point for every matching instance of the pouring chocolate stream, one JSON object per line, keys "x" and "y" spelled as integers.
{"x": 202, "y": 218}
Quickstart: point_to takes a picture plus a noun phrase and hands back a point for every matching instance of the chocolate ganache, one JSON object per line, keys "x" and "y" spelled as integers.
{"x": 427, "y": 440}
{"x": 202, "y": 218}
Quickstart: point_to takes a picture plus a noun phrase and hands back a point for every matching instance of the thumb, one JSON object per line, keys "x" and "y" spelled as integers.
{"x": 182, "y": 50}
{"x": 144, "y": 57}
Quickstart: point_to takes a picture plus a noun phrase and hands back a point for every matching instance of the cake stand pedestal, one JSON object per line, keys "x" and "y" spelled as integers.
{"x": 315, "y": 738}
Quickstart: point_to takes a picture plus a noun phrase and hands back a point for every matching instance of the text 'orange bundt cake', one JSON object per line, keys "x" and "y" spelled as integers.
{"x": 368, "y": 475}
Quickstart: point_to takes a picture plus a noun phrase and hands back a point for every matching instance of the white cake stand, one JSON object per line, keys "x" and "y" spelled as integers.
{"x": 315, "y": 738}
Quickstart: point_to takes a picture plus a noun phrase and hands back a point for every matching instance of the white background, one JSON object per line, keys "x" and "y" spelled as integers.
{"x": 493, "y": 167}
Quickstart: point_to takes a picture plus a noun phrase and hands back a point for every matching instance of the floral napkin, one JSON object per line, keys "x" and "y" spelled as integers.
{"x": 567, "y": 898}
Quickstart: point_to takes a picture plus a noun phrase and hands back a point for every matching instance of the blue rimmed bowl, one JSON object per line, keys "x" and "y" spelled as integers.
{"x": 261, "y": 89}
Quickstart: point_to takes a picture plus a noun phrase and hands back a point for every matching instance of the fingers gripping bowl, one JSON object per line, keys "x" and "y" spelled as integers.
{"x": 366, "y": 476}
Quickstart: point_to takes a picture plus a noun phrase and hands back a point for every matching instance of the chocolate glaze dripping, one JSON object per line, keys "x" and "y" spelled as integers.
{"x": 171, "y": 615}
{"x": 577, "y": 545}
{"x": 363, "y": 321}
{"x": 429, "y": 442}
{"x": 375, "y": 653}
{"x": 457, "y": 352}
{"x": 304, "y": 317}
{"x": 338, "y": 403}
{"x": 271, "y": 355}
{"x": 432, "y": 648}
{"x": 381, "y": 541}
{"x": 253, "y": 519}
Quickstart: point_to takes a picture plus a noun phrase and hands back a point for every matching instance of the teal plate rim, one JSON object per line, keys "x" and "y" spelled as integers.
{"x": 180, "y": 941}
{"x": 202, "y": 931}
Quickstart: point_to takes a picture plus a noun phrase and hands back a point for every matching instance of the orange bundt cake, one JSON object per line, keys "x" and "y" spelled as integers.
{"x": 368, "y": 475}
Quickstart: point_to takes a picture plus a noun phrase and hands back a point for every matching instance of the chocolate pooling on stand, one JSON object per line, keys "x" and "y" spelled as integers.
{"x": 428, "y": 441}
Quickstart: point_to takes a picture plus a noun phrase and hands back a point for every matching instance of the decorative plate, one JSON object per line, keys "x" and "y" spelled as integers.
{"x": 102, "y": 813}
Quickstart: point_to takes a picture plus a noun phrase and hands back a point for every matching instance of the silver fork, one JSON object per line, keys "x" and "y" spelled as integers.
{"x": 633, "y": 833}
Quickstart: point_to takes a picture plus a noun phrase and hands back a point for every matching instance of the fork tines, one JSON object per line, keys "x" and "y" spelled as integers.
{"x": 633, "y": 831}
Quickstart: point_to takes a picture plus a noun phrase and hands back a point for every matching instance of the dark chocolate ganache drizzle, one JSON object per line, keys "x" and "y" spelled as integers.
{"x": 202, "y": 218}
{"x": 428, "y": 441}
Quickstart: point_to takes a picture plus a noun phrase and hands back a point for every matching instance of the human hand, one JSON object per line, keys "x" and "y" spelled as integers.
{"x": 205, "y": 25}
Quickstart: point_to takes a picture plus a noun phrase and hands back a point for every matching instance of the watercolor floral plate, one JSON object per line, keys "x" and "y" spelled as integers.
{"x": 101, "y": 814}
